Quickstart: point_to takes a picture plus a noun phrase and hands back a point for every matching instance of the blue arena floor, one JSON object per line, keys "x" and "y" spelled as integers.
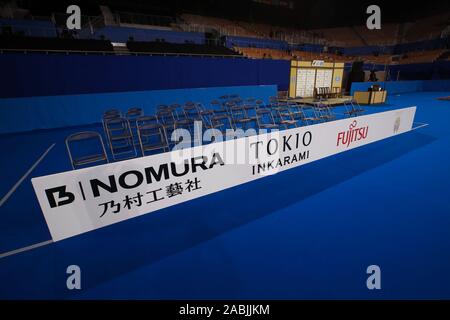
{"x": 306, "y": 233}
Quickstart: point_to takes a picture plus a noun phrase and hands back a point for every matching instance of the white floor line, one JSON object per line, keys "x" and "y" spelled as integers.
{"x": 27, "y": 248}
{"x": 420, "y": 125}
{"x": 10, "y": 192}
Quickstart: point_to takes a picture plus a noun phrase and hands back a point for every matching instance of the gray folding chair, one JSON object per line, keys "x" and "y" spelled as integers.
{"x": 324, "y": 112}
{"x": 250, "y": 108}
{"x": 131, "y": 115}
{"x": 120, "y": 139}
{"x": 207, "y": 117}
{"x": 176, "y": 110}
{"x": 353, "y": 109}
{"x": 167, "y": 119}
{"x": 191, "y": 112}
{"x": 221, "y": 121}
{"x": 152, "y": 137}
{"x": 95, "y": 153}
{"x": 265, "y": 120}
{"x": 109, "y": 115}
{"x": 285, "y": 117}
{"x": 239, "y": 118}
{"x": 298, "y": 114}
{"x": 311, "y": 116}
{"x": 273, "y": 101}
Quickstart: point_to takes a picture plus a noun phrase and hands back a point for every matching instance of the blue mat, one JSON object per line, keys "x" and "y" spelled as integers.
{"x": 309, "y": 232}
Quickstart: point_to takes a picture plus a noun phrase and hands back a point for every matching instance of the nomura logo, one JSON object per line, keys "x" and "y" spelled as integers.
{"x": 352, "y": 134}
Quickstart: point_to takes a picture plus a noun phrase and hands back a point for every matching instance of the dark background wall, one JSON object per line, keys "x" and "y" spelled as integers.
{"x": 303, "y": 14}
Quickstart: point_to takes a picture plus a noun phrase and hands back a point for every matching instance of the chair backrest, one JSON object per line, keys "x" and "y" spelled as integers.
{"x": 162, "y": 107}
{"x": 143, "y": 120}
{"x": 133, "y": 113}
{"x": 259, "y": 103}
{"x": 85, "y": 135}
{"x": 135, "y": 110}
{"x": 250, "y": 101}
{"x": 112, "y": 112}
{"x": 109, "y": 116}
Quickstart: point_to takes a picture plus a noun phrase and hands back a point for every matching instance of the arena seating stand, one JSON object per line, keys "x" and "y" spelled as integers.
{"x": 264, "y": 53}
{"x": 57, "y": 44}
{"x": 178, "y": 48}
{"x": 190, "y": 22}
{"x": 307, "y": 55}
{"x": 387, "y": 35}
{"x": 427, "y": 28}
{"x": 341, "y": 36}
{"x": 421, "y": 56}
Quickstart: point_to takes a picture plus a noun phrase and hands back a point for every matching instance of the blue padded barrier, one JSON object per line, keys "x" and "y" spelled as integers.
{"x": 31, "y": 113}
{"x": 25, "y": 75}
{"x": 397, "y": 87}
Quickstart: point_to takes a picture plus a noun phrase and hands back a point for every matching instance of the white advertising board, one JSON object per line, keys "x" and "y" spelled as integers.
{"x": 82, "y": 200}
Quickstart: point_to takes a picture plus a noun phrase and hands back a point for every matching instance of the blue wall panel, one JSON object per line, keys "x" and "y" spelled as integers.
{"x": 30, "y": 113}
{"x": 396, "y": 87}
{"x": 50, "y": 91}
{"x": 393, "y": 87}
{"x": 439, "y": 69}
{"x": 436, "y": 85}
{"x": 25, "y": 75}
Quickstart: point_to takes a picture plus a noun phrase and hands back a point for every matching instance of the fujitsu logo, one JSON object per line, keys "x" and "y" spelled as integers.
{"x": 352, "y": 134}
